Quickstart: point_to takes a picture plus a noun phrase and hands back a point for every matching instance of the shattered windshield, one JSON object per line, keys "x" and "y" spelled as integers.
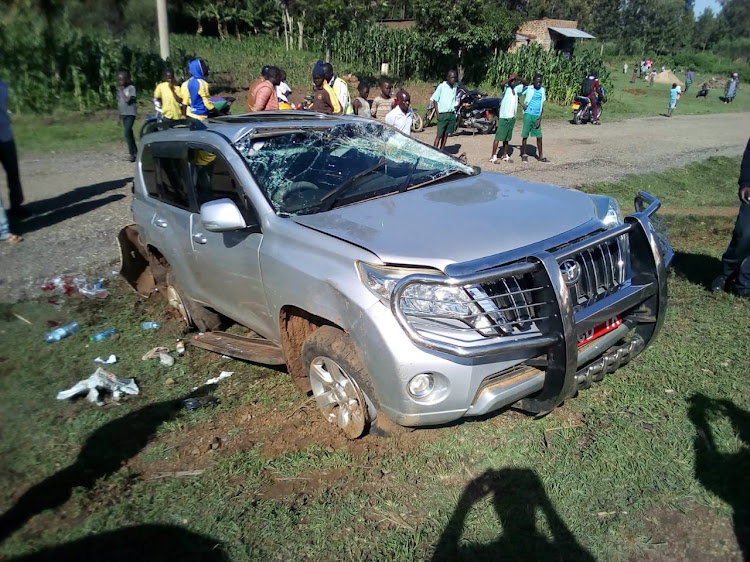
{"x": 311, "y": 170}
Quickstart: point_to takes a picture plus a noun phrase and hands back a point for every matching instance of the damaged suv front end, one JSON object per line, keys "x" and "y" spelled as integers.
{"x": 562, "y": 314}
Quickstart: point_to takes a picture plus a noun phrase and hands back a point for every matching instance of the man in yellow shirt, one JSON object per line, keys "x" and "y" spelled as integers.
{"x": 168, "y": 97}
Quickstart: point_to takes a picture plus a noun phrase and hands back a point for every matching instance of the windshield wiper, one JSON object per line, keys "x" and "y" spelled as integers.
{"x": 440, "y": 178}
{"x": 327, "y": 202}
{"x": 405, "y": 186}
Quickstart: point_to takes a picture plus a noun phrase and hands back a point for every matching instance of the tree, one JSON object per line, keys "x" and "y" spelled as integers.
{"x": 736, "y": 17}
{"x": 465, "y": 29}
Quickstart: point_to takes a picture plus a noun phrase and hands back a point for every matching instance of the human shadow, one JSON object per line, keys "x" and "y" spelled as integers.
{"x": 103, "y": 453}
{"x": 517, "y": 495}
{"x": 699, "y": 269}
{"x": 723, "y": 473}
{"x": 78, "y": 201}
{"x": 452, "y": 149}
{"x": 141, "y": 543}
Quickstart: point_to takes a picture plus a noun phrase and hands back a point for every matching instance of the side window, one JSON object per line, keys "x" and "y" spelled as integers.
{"x": 148, "y": 170}
{"x": 171, "y": 182}
{"x": 213, "y": 179}
{"x": 165, "y": 174}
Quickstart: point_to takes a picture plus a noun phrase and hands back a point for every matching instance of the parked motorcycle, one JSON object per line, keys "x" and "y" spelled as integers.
{"x": 477, "y": 111}
{"x": 157, "y": 121}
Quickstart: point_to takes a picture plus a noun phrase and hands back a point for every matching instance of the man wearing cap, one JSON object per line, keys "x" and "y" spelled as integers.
{"x": 324, "y": 98}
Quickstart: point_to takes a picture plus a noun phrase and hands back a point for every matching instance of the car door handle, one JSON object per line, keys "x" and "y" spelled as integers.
{"x": 161, "y": 223}
{"x": 199, "y": 238}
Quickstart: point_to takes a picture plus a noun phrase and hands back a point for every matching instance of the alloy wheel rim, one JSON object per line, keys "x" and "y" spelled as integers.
{"x": 338, "y": 396}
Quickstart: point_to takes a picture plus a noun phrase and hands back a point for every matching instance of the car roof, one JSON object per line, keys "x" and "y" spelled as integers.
{"x": 234, "y": 127}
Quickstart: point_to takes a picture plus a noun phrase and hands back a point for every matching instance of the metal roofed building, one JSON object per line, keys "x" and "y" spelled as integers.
{"x": 554, "y": 35}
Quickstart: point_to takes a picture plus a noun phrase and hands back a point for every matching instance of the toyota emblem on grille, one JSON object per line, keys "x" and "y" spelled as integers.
{"x": 571, "y": 272}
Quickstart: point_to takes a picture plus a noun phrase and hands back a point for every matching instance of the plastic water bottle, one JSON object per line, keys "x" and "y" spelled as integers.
{"x": 150, "y": 325}
{"x": 62, "y": 332}
{"x": 103, "y": 335}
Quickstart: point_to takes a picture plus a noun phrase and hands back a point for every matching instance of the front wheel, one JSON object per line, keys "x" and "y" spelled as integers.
{"x": 417, "y": 123}
{"x": 429, "y": 115}
{"x": 334, "y": 367}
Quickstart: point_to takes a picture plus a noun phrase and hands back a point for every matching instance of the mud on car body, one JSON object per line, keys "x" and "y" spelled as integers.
{"x": 394, "y": 281}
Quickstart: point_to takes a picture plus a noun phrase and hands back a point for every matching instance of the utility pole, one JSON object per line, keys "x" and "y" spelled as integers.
{"x": 161, "y": 16}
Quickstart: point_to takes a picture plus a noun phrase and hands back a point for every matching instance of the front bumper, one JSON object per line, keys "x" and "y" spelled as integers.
{"x": 544, "y": 366}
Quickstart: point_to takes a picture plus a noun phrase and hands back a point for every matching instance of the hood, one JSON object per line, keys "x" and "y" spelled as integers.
{"x": 195, "y": 69}
{"x": 457, "y": 221}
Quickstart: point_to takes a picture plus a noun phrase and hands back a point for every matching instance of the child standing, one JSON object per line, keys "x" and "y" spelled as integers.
{"x": 168, "y": 97}
{"x": 673, "y": 94}
{"x": 361, "y": 104}
{"x": 382, "y": 104}
{"x": 126, "y": 105}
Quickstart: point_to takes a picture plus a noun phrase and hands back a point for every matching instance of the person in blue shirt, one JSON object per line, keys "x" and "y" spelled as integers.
{"x": 673, "y": 95}
{"x": 533, "y": 107}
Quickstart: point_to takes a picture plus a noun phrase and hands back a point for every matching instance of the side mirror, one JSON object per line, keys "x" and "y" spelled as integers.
{"x": 221, "y": 215}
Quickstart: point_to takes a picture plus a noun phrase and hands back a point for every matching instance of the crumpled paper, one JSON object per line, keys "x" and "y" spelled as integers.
{"x": 100, "y": 380}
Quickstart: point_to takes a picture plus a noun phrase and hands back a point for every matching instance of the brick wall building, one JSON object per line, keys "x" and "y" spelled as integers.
{"x": 558, "y": 35}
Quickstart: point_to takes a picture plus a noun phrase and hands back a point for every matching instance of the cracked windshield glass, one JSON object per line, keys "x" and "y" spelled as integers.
{"x": 304, "y": 171}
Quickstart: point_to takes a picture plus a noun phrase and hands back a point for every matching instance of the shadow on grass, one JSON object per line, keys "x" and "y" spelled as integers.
{"x": 517, "y": 495}
{"x": 48, "y": 212}
{"x": 724, "y": 474}
{"x": 699, "y": 269}
{"x": 103, "y": 453}
{"x": 139, "y": 543}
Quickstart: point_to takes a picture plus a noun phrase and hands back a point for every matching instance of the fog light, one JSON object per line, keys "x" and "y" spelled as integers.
{"x": 421, "y": 385}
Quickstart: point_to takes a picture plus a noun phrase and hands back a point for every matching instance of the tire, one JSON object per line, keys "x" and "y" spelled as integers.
{"x": 577, "y": 119}
{"x": 192, "y": 313}
{"x": 429, "y": 115}
{"x": 147, "y": 127}
{"x": 417, "y": 125}
{"x": 336, "y": 374}
{"x": 493, "y": 126}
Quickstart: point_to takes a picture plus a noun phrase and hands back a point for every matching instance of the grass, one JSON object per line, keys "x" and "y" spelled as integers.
{"x": 67, "y": 131}
{"x": 587, "y": 477}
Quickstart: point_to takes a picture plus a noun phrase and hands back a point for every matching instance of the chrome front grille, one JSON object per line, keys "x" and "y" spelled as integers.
{"x": 602, "y": 269}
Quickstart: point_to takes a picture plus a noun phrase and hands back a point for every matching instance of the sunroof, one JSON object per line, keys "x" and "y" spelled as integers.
{"x": 270, "y": 117}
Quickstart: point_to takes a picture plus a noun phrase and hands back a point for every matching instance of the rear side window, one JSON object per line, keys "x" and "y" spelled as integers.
{"x": 165, "y": 175}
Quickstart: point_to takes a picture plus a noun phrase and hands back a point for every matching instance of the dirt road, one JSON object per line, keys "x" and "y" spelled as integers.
{"x": 81, "y": 200}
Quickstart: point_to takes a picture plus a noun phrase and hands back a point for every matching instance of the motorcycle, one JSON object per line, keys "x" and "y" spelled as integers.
{"x": 476, "y": 110}
{"x": 582, "y": 109}
{"x": 157, "y": 121}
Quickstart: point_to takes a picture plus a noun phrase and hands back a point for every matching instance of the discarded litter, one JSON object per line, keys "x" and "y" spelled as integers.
{"x": 62, "y": 332}
{"x": 166, "y": 359}
{"x": 222, "y": 375}
{"x": 69, "y": 284}
{"x": 180, "y": 347}
{"x": 155, "y": 353}
{"x": 199, "y": 402}
{"x": 111, "y": 360}
{"x": 103, "y": 335}
{"x": 150, "y": 325}
{"x": 100, "y": 380}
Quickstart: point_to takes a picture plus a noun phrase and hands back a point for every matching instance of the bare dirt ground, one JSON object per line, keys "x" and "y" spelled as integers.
{"x": 80, "y": 200}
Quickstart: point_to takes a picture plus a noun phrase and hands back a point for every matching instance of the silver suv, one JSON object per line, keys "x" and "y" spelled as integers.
{"x": 394, "y": 281}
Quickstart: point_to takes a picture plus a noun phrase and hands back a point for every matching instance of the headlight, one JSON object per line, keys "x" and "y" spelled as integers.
{"x": 607, "y": 210}
{"x": 470, "y": 305}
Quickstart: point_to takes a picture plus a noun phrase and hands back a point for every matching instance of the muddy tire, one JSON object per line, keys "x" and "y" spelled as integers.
{"x": 336, "y": 372}
{"x": 192, "y": 313}
{"x": 417, "y": 124}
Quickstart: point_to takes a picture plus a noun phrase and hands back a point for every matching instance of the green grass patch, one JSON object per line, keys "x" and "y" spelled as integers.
{"x": 708, "y": 183}
{"x": 68, "y": 131}
{"x": 585, "y": 478}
